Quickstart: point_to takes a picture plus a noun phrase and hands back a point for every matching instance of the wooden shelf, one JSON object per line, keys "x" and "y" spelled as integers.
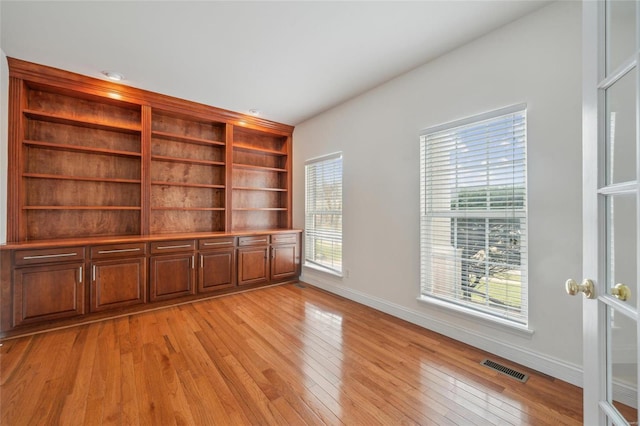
{"x": 79, "y": 178}
{"x": 261, "y": 168}
{"x": 188, "y": 185}
{"x": 261, "y": 209}
{"x": 56, "y": 118}
{"x": 186, "y": 160}
{"x": 216, "y": 209}
{"x": 183, "y": 138}
{"x": 79, "y": 148}
{"x": 250, "y": 188}
{"x": 81, "y": 208}
{"x": 258, "y": 149}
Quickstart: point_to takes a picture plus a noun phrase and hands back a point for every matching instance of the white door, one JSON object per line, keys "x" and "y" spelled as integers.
{"x": 610, "y": 211}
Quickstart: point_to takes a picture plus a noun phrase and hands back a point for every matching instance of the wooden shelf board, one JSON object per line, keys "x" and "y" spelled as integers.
{"x": 249, "y": 148}
{"x": 261, "y": 209}
{"x": 252, "y": 188}
{"x": 79, "y": 148}
{"x": 262, "y": 168}
{"x": 183, "y": 138}
{"x": 93, "y": 124}
{"x": 188, "y": 185}
{"x": 80, "y": 178}
{"x": 81, "y": 208}
{"x": 186, "y": 160}
{"x": 214, "y": 209}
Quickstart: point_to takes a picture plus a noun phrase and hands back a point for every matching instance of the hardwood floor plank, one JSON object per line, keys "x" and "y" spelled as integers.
{"x": 13, "y": 354}
{"x": 279, "y": 355}
{"x": 75, "y": 402}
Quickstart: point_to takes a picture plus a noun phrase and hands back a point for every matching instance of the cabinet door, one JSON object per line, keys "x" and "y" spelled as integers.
{"x": 172, "y": 276}
{"x": 118, "y": 283}
{"x": 253, "y": 267}
{"x": 284, "y": 261}
{"x": 43, "y": 293}
{"x": 217, "y": 270}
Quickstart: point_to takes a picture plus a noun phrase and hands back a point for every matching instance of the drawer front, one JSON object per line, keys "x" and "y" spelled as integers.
{"x": 214, "y": 243}
{"x": 161, "y": 247}
{"x": 284, "y": 239}
{"x": 118, "y": 250}
{"x": 256, "y": 240}
{"x": 52, "y": 255}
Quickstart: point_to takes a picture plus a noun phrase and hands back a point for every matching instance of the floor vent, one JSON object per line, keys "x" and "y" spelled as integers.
{"x": 505, "y": 370}
{"x": 300, "y": 285}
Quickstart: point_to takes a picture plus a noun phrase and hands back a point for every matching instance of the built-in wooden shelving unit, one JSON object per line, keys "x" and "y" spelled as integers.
{"x": 95, "y": 158}
{"x": 122, "y": 200}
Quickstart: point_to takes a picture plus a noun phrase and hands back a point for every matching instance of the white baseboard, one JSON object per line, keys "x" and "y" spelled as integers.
{"x": 548, "y": 365}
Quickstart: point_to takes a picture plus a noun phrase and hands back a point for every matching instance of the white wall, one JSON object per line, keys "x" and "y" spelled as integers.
{"x": 4, "y": 111}
{"x": 536, "y": 60}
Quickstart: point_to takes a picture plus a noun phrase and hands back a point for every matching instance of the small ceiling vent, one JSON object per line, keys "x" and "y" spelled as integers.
{"x": 521, "y": 377}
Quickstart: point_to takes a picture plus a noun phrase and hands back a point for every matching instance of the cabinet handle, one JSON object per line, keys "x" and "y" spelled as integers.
{"x": 201, "y": 261}
{"x": 80, "y": 275}
{"x": 118, "y": 251}
{"x": 173, "y": 247}
{"x": 49, "y": 256}
{"x": 217, "y": 244}
{"x": 93, "y": 273}
{"x": 193, "y": 262}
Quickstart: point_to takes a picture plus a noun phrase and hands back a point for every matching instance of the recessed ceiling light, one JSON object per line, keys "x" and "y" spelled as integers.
{"x": 254, "y": 111}
{"x": 112, "y": 75}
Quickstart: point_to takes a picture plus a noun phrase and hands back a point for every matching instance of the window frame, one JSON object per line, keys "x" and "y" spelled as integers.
{"x": 311, "y": 236}
{"x": 426, "y": 288}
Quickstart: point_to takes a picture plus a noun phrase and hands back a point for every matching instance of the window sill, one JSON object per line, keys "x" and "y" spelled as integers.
{"x": 323, "y": 270}
{"x": 487, "y": 319}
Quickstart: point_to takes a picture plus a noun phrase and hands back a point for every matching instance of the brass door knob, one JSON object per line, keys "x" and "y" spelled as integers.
{"x": 621, "y": 291}
{"x": 574, "y": 288}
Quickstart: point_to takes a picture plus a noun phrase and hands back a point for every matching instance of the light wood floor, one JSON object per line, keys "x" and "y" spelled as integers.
{"x": 280, "y": 355}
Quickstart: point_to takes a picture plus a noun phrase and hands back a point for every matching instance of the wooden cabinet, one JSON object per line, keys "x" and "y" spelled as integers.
{"x": 285, "y": 256}
{"x": 217, "y": 264}
{"x": 50, "y": 288}
{"x": 253, "y": 263}
{"x": 119, "y": 197}
{"x": 47, "y": 286}
{"x": 118, "y": 276}
{"x": 253, "y": 266}
{"x": 172, "y": 270}
{"x": 268, "y": 258}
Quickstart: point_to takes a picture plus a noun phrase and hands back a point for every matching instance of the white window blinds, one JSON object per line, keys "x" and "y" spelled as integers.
{"x": 473, "y": 234}
{"x": 323, "y": 212}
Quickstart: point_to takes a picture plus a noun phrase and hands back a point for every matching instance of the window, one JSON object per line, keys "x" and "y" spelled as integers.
{"x": 323, "y": 213}
{"x": 473, "y": 231}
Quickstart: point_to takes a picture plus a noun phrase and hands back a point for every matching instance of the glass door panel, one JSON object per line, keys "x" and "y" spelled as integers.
{"x": 620, "y": 127}
{"x": 623, "y": 364}
{"x": 620, "y": 298}
{"x": 621, "y": 242}
{"x": 621, "y": 22}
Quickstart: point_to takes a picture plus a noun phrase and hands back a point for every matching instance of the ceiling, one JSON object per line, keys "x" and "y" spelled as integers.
{"x": 289, "y": 60}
